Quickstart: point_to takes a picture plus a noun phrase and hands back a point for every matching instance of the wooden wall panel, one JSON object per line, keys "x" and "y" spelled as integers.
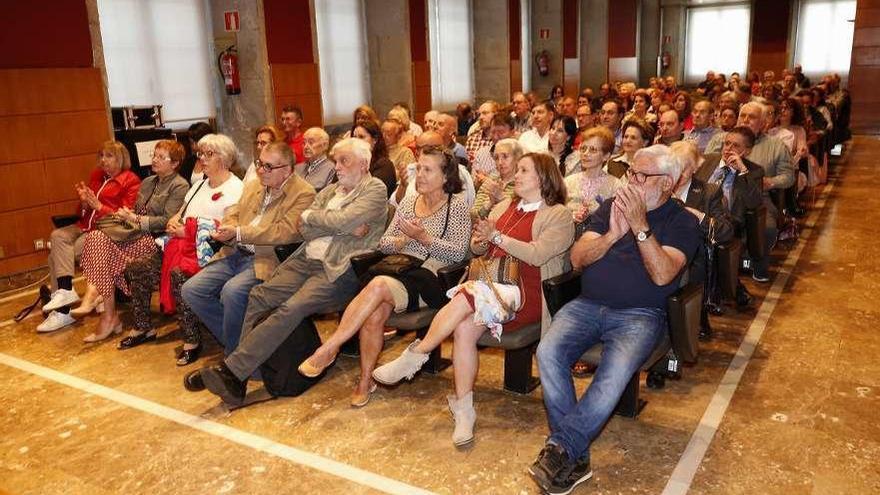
{"x": 52, "y": 121}
{"x": 54, "y": 36}
{"x": 63, "y": 173}
{"x": 421, "y": 80}
{"x": 288, "y": 31}
{"x": 298, "y": 85}
{"x": 864, "y": 73}
{"x": 22, "y": 185}
{"x": 769, "y": 40}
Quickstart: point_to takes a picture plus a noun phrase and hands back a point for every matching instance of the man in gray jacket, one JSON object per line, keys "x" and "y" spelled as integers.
{"x": 347, "y": 218}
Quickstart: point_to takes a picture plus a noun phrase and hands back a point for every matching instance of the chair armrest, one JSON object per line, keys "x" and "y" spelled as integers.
{"x": 285, "y": 250}
{"x": 450, "y": 275}
{"x": 561, "y": 289}
{"x": 360, "y": 263}
{"x": 756, "y": 225}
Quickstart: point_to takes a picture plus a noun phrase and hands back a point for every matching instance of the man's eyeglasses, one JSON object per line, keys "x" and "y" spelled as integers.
{"x": 261, "y": 144}
{"x": 266, "y": 166}
{"x": 205, "y": 155}
{"x": 640, "y": 177}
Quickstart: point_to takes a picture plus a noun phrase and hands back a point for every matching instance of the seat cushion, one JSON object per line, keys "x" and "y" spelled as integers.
{"x": 517, "y": 339}
{"x": 594, "y": 354}
{"x": 412, "y": 321}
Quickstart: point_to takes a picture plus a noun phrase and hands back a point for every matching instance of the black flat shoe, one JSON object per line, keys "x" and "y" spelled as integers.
{"x": 135, "y": 340}
{"x": 220, "y": 381}
{"x": 193, "y": 381}
{"x": 188, "y": 356}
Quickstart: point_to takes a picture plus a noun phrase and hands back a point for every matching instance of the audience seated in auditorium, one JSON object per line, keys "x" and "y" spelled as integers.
{"x": 537, "y": 138}
{"x": 480, "y": 136}
{"x": 432, "y": 229}
{"x": 318, "y": 170}
{"x": 186, "y": 248}
{"x": 407, "y": 186}
{"x": 263, "y": 136}
{"x": 498, "y": 185}
{"x": 611, "y": 117}
{"x": 266, "y": 216}
{"x": 588, "y": 188}
{"x": 127, "y": 235}
{"x": 483, "y": 163}
{"x": 632, "y": 257}
{"x": 346, "y": 218}
{"x": 669, "y": 129}
{"x": 560, "y": 144}
{"x": 111, "y": 186}
{"x": 521, "y": 112}
{"x": 703, "y": 129}
{"x": 533, "y": 229}
{"x": 291, "y": 122}
{"x": 636, "y": 135}
{"x": 380, "y": 166}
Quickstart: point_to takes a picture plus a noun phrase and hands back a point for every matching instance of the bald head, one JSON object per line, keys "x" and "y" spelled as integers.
{"x": 429, "y": 138}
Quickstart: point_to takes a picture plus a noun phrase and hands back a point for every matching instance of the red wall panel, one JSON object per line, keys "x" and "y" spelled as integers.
{"x": 288, "y": 31}
{"x": 622, "y": 25}
{"x": 53, "y": 34}
{"x": 569, "y": 28}
{"x": 514, "y": 27}
{"x": 418, "y": 30}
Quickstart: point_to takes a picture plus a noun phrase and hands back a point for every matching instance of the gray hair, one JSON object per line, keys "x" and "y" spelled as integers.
{"x": 321, "y": 134}
{"x": 662, "y": 158}
{"x": 753, "y": 104}
{"x": 358, "y": 147}
{"x": 512, "y": 146}
{"x": 223, "y": 146}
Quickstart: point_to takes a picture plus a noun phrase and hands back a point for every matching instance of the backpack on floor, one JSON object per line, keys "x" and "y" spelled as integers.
{"x": 279, "y": 372}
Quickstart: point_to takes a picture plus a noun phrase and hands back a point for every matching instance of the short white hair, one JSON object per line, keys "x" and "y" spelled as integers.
{"x": 753, "y": 104}
{"x": 512, "y": 146}
{"x": 358, "y": 147}
{"x": 319, "y": 133}
{"x": 662, "y": 158}
{"x": 223, "y": 146}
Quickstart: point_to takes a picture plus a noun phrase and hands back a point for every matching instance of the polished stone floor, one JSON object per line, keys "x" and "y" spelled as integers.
{"x": 88, "y": 419}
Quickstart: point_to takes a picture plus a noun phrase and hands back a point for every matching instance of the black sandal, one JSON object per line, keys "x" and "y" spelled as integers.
{"x": 136, "y": 340}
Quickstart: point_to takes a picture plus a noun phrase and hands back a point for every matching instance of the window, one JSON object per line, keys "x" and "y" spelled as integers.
{"x": 156, "y": 53}
{"x": 825, "y": 36}
{"x": 342, "y": 48}
{"x": 452, "y": 53}
{"x": 525, "y": 13}
{"x": 717, "y": 39}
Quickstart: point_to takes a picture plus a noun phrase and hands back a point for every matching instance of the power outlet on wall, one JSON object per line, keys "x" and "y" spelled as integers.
{"x": 39, "y": 244}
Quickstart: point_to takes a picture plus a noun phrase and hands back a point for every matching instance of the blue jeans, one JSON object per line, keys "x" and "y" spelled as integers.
{"x": 218, "y": 294}
{"x": 628, "y": 337}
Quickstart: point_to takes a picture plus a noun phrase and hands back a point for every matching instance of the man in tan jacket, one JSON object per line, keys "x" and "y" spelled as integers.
{"x": 266, "y": 216}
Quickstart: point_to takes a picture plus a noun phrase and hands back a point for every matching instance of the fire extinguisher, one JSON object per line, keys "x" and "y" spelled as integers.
{"x": 665, "y": 59}
{"x": 542, "y": 60}
{"x": 227, "y": 62}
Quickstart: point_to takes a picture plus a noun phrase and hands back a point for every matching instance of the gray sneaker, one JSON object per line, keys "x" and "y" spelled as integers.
{"x": 405, "y": 366}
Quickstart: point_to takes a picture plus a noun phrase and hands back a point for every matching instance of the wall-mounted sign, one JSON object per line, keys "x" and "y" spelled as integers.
{"x": 544, "y": 33}
{"x": 232, "y": 21}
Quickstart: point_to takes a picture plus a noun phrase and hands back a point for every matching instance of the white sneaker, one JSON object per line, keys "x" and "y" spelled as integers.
{"x": 61, "y": 298}
{"x": 55, "y": 321}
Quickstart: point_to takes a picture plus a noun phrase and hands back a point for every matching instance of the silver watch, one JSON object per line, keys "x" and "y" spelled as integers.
{"x": 496, "y": 238}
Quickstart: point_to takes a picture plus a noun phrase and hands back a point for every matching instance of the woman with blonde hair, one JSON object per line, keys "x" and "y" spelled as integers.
{"x": 112, "y": 185}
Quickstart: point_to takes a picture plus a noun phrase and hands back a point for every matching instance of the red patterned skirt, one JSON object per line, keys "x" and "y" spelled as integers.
{"x": 104, "y": 260}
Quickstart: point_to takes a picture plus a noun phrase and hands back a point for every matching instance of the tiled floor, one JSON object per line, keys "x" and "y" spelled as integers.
{"x": 803, "y": 419}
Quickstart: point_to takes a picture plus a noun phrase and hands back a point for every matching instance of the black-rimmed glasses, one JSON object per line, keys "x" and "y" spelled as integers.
{"x": 640, "y": 177}
{"x": 268, "y": 167}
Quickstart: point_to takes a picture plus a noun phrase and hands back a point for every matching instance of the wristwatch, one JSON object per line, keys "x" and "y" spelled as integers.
{"x": 643, "y": 235}
{"x": 496, "y": 238}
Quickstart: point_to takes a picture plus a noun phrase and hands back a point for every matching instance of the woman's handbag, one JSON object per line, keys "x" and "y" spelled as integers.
{"x": 501, "y": 270}
{"x": 395, "y": 264}
{"x": 117, "y": 230}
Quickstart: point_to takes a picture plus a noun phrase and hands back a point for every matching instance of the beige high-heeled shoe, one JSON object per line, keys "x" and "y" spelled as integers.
{"x": 94, "y": 337}
{"x": 86, "y": 309}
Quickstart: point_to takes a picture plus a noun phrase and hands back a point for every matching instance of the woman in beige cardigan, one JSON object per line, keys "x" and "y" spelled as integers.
{"x": 536, "y": 229}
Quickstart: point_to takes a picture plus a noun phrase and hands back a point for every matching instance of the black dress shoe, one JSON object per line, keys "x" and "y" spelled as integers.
{"x": 188, "y": 356}
{"x": 193, "y": 381}
{"x": 220, "y": 381}
{"x": 136, "y": 340}
{"x": 743, "y": 298}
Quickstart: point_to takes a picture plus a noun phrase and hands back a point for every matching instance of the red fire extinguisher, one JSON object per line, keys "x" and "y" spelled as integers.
{"x": 228, "y": 64}
{"x": 666, "y": 59}
{"x": 542, "y": 60}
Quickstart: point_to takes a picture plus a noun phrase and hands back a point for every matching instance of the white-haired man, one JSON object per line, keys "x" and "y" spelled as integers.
{"x": 317, "y": 169}
{"x": 346, "y": 218}
{"x": 632, "y": 256}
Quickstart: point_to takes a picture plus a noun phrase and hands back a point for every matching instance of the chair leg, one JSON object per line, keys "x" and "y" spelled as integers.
{"x": 518, "y": 370}
{"x": 436, "y": 362}
{"x": 630, "y": 405}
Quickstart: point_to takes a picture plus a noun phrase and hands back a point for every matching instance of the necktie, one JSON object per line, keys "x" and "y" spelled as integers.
{"x": 724, "y": 176}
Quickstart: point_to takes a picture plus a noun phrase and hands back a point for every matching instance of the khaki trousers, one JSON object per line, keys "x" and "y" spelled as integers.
{"x": 67, "y": 246}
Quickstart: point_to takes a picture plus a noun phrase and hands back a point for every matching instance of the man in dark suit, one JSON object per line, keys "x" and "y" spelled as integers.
{"x": 705, "y": 202}
{"x": 740, "y": 180}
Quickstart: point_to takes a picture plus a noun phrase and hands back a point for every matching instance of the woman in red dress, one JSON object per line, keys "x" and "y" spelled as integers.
{"x": 534, "y": 228}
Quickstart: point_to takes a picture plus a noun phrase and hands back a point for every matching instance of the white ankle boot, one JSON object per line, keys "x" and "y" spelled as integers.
{"x": 465, "y": 416}
{"x": 405, "y": 366}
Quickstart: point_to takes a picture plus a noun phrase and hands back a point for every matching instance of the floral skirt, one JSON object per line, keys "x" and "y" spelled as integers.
{"x": 488, "y": 310}
{"x": 104, "y": 260}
